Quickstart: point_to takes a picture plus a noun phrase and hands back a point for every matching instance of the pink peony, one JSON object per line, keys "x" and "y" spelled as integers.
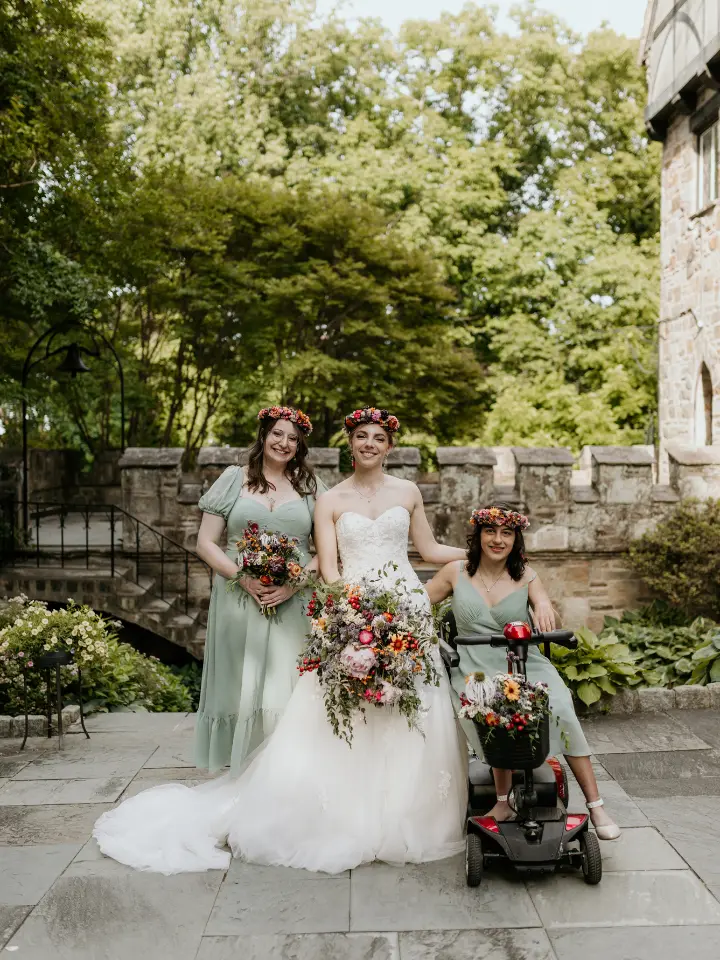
{"x": 389, "y": 693}
{"x": 366, "y": 637}
{"x": 358, "y": 662}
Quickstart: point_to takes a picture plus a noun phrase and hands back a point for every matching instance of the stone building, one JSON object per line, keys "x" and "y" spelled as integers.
{"x": 681, "y": 48}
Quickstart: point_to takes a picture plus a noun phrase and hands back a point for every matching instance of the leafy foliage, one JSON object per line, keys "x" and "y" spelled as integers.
{"x": 600, "y": 665}
{"x": 680, "y": 558}
{"x": 114, "y": 675}
{"x": 256, "y": 204}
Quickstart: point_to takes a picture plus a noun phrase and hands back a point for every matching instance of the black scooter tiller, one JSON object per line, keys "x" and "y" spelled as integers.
{"x": 543, "y": 834}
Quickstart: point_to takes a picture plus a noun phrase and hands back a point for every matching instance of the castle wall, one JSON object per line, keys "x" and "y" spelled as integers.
{"x": 582, "y": 520}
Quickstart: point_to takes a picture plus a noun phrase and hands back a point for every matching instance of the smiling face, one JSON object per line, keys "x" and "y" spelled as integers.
{"x": 369, "y": 444}
{"x": 281, "y": 442}
{"x": 497, "y": 542}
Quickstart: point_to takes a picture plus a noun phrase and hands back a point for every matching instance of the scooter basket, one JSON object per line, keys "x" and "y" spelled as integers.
{"x": 515, "y": 751}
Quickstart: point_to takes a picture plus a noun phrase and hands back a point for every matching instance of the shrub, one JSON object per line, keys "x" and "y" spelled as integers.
{"x": 600, "y": 665}
{"x": 114, "y": 674}
{"x": 680, "y": 558}
{"x": 664, "y": 653}
{"x": 190, "y": 675}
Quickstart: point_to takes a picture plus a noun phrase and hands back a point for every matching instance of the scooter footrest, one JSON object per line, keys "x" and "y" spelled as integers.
{"x": 544, "y": 813}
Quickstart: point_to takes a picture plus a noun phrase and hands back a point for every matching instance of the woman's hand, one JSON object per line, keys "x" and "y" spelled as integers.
{"x": 545, "y": 616}
{"x": 274, "y": 596}
{"x": 253, "y": 586}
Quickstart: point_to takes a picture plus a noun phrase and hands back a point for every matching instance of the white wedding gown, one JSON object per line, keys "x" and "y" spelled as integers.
{"x": 305, "y": 798}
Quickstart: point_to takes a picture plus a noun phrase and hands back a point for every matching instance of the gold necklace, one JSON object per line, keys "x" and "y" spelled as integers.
{"x": 489, "y": 588}
{"x": 373, "y": 494}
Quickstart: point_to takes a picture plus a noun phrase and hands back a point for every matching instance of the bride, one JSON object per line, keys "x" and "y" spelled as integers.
{"x": 306, "y": 798}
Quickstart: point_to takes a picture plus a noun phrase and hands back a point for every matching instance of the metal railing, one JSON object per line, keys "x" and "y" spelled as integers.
{"x": 70, "y": 534}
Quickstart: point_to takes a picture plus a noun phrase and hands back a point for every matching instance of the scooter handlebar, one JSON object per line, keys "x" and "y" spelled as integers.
{"x": 563, "y": 638}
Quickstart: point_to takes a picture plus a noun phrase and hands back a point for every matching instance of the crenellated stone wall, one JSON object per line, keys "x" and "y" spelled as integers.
{"x": 584, "y": 513}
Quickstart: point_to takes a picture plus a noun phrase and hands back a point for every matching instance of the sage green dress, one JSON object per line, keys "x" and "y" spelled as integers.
{"x": 250, "y": 668}
{"x": 472, "y": 615}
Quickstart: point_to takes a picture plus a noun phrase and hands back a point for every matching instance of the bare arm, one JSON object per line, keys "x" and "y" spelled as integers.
{"x": 541, "y": 604}
{"x": 211, "y": 532}
{"x": 442, "y": 584}
{"x": 422, "y": 536}
{"x": 325, "y": 539}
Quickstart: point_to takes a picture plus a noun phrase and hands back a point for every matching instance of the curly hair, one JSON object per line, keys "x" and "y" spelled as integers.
{"x": 299, "y": 472}
{"x": 516, "y": 561}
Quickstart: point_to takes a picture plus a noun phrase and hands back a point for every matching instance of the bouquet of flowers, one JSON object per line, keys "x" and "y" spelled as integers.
{"x": 507, "y": 701}
{"x": 369, "y": 645}
{"x": 272, "y": 558}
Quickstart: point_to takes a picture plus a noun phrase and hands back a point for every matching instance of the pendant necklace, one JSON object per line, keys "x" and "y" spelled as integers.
{"x": 489, "y": 588}
{"x": 364, "y": 495}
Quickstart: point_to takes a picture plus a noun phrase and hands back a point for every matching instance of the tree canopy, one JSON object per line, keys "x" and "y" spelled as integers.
{"x": 256, "y": 204}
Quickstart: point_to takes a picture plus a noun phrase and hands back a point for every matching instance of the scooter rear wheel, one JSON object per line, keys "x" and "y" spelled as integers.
{"x": 474, "y": 863}
{"x": 591, "y": 858}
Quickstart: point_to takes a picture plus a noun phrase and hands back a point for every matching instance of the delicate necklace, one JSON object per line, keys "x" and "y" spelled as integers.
{"x": 489, "y": 588}
{"x": 373, "y": 494}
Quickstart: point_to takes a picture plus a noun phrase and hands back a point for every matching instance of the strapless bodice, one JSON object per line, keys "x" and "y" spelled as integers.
{"x": 366, "y": 545}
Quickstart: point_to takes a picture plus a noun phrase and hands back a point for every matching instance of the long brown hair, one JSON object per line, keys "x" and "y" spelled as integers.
{"x": 298, "y": 471}
{"x": 516, "y": 561}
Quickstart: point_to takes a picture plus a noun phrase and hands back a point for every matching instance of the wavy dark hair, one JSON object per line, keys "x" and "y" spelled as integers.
{"x": 516, "y": 561}
{"x": 298, "y": 471}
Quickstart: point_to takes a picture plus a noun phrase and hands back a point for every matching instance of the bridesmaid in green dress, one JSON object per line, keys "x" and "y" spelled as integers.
{"x": 494, "y": 586}
{"x": 249, "y": 670}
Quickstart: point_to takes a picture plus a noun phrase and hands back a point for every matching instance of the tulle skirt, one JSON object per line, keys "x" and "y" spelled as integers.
{"x": 307, "y": 799}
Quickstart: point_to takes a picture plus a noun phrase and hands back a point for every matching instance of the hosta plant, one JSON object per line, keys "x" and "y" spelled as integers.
{"x": 600, "y": 665}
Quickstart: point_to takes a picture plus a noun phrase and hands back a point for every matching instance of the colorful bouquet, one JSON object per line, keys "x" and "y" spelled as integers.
{"x": 369, "y": 645}
{"x": 272, "y": 558}
{"x": 510, "y": 702}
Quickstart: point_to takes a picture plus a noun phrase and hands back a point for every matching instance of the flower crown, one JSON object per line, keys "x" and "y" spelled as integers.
{"x": 301, "y": 420}
{"x": 497, "y": 517}
{"x": 383, "y": 418}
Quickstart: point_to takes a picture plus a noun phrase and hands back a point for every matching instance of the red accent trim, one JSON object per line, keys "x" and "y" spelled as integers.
{"x": 517, "y": 630}
{"x": 575, "y": 820}
{"x": 487, "y": 823}
{"x": 556, "y": 768}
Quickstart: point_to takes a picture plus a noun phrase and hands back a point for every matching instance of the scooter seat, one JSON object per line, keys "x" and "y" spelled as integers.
{"x": 480, "y": 774}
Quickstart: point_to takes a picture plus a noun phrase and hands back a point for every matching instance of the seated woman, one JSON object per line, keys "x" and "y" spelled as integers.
{"x": 490, "y": 588}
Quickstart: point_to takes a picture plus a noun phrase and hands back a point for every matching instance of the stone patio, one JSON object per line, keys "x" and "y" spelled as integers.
{"x": 60, "y": 898}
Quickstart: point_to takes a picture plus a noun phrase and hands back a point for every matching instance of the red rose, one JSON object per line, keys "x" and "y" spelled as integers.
{"x": 266, "y": 580}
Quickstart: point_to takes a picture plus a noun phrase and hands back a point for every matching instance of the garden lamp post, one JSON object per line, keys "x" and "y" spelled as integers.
{"x": 73, "y": 364}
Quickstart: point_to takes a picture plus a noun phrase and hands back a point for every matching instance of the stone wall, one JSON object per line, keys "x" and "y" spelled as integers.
{"x": 690, "y": 297}
{"x": 59, "y": 475}
{"x": 584, "y": 514}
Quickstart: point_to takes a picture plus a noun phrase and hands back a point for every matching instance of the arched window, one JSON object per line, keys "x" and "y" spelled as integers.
{"x": 703, "y": 409}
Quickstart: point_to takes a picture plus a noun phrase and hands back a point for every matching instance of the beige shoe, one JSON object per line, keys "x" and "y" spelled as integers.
{"x": 607, "y": 831}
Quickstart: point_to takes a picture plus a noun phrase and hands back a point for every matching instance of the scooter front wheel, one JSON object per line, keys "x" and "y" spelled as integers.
{"x": 591, "y": 858}
{"x": 474, "y": 864}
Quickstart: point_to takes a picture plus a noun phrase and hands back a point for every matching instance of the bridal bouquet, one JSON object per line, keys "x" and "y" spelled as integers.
{"x": 368, "y": 645}
{"x": 272, "y": 558}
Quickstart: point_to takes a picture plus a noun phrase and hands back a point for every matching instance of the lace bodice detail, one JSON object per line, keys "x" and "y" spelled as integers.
{"x": 367, "y": 545}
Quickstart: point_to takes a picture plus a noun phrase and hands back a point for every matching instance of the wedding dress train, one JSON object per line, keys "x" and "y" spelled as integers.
{"x": 306, "y": 798}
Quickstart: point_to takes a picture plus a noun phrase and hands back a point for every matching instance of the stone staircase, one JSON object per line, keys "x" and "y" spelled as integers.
{"x": 114, "y": 593}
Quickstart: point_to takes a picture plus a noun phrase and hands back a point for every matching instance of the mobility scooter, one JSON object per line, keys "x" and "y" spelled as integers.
{"x": 543, "y": 835}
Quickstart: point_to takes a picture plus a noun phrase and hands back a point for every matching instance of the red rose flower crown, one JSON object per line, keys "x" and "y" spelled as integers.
{"x": 383, "y": 418}
{"x": 497, "y": 517}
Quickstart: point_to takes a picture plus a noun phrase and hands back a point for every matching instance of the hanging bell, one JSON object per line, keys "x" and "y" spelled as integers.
{"x": 73, "y": 362}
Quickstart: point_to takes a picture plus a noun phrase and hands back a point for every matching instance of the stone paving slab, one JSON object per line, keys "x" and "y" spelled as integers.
{"x": 68, "y": 823}
{"x": 476, "y": 945}
{"x": 640, "y": 848}
{"x": 29, "y": 872}
{"x": 30, "y": 792}
{"x": 168, "y": 774}
{"x": 638, "y": 943}
{"x": 324, "y": 946}
{"x": 664, "y": 765}
{"x": 125, "y": 913}
{"x": 270, "y": 902}
{"x": 662, "y": 789}
{"x": 137, "y": 786}
{"x": 652, "y": 733}
{"x": 692, "y": 826}
{"x": 11, "y": 767}
{"x": 434, "y": 896}
{"x": 87, "y": 768}
{"x": 632, "y": 898}
{"x": 149, "y": 724}
{"x": 10, "y": 920}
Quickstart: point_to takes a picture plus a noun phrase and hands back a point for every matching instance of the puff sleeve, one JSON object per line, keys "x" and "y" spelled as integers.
{"x": 221, "y": 496}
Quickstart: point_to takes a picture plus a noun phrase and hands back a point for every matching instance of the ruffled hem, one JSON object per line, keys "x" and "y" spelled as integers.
{"x": 229, "y": 740}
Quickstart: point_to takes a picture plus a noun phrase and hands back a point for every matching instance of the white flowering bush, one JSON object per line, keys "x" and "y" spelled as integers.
{"x": 114, "y": 674}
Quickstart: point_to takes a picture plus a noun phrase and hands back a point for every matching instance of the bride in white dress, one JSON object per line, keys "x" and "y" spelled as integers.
{"x": 305, "y": 798}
